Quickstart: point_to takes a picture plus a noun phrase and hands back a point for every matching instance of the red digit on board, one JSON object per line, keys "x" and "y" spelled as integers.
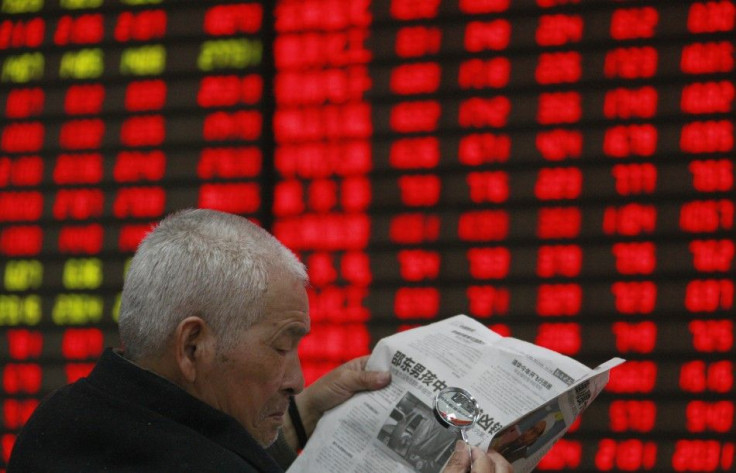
{"x": 560, "y": 337}
{"x": 22, "y": 137}
{"x": 631, "y": 23}
{"x": 484, "y": 73}
{"x": 559, "y": 299}
{"x": 21, "y": 240}
{"x": 140, "y": 26}
{"x": 415, "y": 153}
{"x": 417, "y": 41}
{"x": 633, "y": 377}
{"x": 559, "y": 29}
{"x": 16, "y": 412}
{"x": 355, "y": 267}
{"x": 21, "y": 33}
{"x": 414, "y": 9}
{"x": 83, "y": 29}
{"x": 491, "y": 186}
{"x": 559, "y": 144}
{"x": 702, "y": 455}
{"x": 564, "y": 455}
{"x": 21, "y": 171}
{"x": 559, "y": 222}
{"x": 712, "y": 255}
{"x": 556, "y": 68}
{"x": 637, "y": 337}
{"x": 24, "y": 344}
{"x": 489, "y": 263}
{"x": 85, "y": 239}
{"x": 133, "y": 166}
{"x": 488, "y": 301}
{"x": 707, "y": 57}
{"x": 559, "y": 260}
{"x": 23, "y": 103}
{"x": 636, "y": 297}
{"x": 418, "y": 302}
{"x": 638, "y": 416}
{"x": 626, "y": 455}
{"x": 702, "y": 416}
{"x": 559, "y": 107}
{"x": 232, "y": 19}
{"x": 418, "y": 265}
{"x": 711, "y": 16}
{"x": 84, "y": 99}
{"x": 483, "y": 6}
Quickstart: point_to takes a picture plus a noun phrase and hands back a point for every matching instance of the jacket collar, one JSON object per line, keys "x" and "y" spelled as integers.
{"x": 132, "y": 384}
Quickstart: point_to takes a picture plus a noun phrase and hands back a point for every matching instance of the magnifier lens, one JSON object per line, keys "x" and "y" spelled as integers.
{"x": 455, "y": 407}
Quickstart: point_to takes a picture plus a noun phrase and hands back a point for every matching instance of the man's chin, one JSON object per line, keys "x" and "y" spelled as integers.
{"x": 267, "y": 443}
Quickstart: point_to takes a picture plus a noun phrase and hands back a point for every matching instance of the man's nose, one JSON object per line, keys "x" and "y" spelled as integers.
{"x": 294, "y": 378}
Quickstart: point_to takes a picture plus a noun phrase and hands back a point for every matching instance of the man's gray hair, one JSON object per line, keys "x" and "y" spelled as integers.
{"x": 201, "y": 263}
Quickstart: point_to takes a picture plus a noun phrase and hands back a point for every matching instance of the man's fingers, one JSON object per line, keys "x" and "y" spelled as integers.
{"x": 480, "y": 463}
{"x": 369, "y": 380}
{"x": 375, "y": 379}
{"x": 498, "y": 462}
{"x": 353, "y": 378}
{"x": 360, "y": 362}
{"x": 459, "y": 462}
{"x": 340, "y": 384}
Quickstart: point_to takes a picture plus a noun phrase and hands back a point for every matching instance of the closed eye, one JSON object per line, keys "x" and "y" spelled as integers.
{"x": 280, "y": 350}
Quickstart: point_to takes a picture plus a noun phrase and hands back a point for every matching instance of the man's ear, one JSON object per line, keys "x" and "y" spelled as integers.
{"x": 194, "y": 346}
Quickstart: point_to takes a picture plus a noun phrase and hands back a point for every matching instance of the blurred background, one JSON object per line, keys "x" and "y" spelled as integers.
{"x": 561, "y": 170}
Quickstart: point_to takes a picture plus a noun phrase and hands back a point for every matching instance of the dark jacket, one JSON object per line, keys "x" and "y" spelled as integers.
{"x": 125, "y": 419}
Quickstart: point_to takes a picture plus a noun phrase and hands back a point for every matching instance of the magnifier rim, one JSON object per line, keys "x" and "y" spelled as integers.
{"x": 441, "y": 418}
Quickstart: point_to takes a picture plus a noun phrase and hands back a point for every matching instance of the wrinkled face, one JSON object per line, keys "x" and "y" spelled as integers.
{"x": 253, "y": 381}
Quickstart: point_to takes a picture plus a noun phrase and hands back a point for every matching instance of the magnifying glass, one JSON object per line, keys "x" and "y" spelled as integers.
{"x": 456, "y": 410}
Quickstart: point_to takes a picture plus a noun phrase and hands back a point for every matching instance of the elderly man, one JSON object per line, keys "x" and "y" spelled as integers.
{"x": 212, "y": 313}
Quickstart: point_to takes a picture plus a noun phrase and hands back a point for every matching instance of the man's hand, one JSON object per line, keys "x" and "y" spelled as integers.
{"x": 491, "y": 462}
{"x": 330, "y": 390}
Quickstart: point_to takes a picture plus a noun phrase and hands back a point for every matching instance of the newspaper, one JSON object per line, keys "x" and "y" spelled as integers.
{"x": 528, "y": 397}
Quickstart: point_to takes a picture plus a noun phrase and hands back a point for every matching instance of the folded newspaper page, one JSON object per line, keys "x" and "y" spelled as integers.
{"x": 528, "y": 397}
